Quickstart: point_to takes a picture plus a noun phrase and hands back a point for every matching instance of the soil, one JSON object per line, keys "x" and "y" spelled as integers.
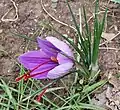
{"x": 32, "y": 21}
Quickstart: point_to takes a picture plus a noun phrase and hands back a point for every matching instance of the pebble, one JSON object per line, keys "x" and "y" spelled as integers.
{"x": 54, "y": 3}
{"x": 119, "y": 63}
{"x": 1, "y": 31}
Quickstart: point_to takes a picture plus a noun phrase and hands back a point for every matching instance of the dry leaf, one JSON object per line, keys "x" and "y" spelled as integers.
{"x": 113, "y": 93}
{"x": 108, "y": 36}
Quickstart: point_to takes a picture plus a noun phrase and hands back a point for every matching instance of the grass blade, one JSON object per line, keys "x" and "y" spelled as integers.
{"x": 23, "y": 36}
{"x": 7, "y": 90}
{"x": 88, "y": 89}
{"x": 81, "y": 106}
{"x": 83, "y": 47}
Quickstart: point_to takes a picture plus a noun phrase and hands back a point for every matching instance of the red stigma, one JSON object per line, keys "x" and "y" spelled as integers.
{"x": 27, "y": 75}
{"x": 30, "y": 76}
{"x": 19, "y": 78}
{"x": 41, "y": 94}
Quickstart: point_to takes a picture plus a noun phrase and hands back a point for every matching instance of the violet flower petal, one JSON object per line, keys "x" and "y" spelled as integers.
{"x": 63, "y": 59}
{"x": 41, "y": 76}
{"x": 42, "y": 69}
{"x": 31, "y": 59}
{"x": 59, "y": 71}
{"x": 47, "y": 47}
{"x": 60, "y": 45}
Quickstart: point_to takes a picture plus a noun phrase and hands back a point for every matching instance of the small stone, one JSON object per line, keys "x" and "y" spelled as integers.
{"x": 117, "y": 102}
{"x": 1, "y": 51}
{"x": 119, "y": 63}
{"x": 54, "y": 5}
{"x": 1, "y": 31}
{"x": 112, "y": 103}
{"x": 54, "y": 1}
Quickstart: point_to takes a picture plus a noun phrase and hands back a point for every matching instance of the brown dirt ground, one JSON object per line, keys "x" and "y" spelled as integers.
{"x": 31, "y": 20}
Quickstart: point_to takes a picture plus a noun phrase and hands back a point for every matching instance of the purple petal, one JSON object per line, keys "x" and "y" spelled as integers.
{"x": 47, "y": 47}
{"x": 41, "y": 76}
{"x": 31, "y": 59}
{"x": 60, "y": 45}
{"x": 42, "y": 69}
{"x": 63, "y": 59}
{"x": 59, "y": 71}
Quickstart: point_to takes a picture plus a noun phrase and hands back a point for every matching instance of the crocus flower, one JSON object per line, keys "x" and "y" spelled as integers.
{"x": 50, "y": 61}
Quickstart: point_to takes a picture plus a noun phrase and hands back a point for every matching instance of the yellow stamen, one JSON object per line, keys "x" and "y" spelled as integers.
{"x": 54, "y": 59}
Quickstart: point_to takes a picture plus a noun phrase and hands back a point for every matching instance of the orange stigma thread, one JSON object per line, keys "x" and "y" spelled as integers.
{"x": 54, "y": 59}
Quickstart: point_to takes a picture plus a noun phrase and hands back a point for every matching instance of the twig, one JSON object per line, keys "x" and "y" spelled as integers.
{"x": 16, "y": 13}
{"x": 108, "y": 48}
{"x": 55, "y": 18}
{"x": 93, "y": 17}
